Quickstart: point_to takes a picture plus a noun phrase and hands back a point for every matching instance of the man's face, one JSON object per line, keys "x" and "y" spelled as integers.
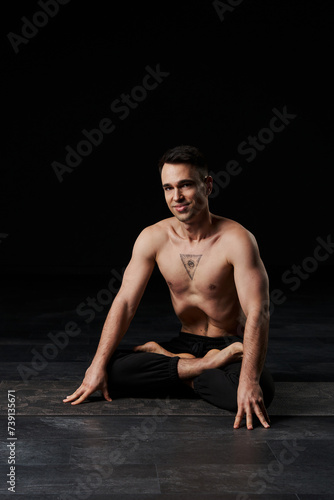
{"x": 185, "y": 191}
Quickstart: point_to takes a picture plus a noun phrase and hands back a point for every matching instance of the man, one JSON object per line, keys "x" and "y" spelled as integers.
{"x": 219, "y": 291}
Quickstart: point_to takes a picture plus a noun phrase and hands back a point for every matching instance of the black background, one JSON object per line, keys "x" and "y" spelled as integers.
{"x": 225, "y": 77}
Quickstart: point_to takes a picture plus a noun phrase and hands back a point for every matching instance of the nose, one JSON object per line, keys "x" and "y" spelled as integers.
{"x": 177, "y": 194}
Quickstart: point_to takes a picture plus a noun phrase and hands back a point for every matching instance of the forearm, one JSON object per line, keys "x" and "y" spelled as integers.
{"x": 114, "y": 328}
{"x": 255, "y": 346}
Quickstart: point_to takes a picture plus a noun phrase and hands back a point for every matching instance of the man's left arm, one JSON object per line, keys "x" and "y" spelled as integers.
{"x": 253, "y": 291}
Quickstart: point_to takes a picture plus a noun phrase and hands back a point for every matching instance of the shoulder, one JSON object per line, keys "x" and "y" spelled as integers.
{"x": 157, "y": 231}
{"x": 238, "y": 241}
{"x": 152, "y": 237}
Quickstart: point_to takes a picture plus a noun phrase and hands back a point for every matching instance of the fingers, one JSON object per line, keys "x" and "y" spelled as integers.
{"x": 238, "y": 419}
{"x": 81, "y": 398}
{"x": 96, "y": 379}
{"x": 249, "y": 418}
{"x": 73, "y": 396}
{"x": 78, "y": 396}
{"x": 262, "y": 415}
{"x": 259, "y": 410}
{"x": 106, "y": 394}
{"x": 81, "y": 394}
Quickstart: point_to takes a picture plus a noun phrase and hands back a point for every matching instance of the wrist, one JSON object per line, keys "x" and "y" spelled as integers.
{"x": 99, "y": 362}
{"x": 251, "y": 379}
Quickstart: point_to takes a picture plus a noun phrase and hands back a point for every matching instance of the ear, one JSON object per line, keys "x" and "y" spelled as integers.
{"x": 208, "y": 180}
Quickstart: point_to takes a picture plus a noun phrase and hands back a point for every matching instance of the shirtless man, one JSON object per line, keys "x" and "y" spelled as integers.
{"x": 219, "y": 291}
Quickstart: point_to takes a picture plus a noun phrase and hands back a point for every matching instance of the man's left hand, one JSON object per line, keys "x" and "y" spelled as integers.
{"x": 250, "y": 400}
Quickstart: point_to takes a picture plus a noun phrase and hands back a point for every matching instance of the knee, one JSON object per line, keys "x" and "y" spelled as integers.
{"x": 218, "y": 389}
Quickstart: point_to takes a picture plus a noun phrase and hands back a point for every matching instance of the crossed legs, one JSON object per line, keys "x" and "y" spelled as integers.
{"x": 153, "y": 370}
{"x": 190, "y": 367}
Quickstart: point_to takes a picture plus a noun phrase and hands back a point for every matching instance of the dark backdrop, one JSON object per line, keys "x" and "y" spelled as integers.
{"x": 224, "y": 67}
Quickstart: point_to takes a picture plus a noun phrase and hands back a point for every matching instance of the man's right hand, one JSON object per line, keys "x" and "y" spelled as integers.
{"x": 96, "y": 379}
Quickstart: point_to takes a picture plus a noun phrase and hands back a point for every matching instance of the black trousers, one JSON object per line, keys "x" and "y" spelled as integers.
{"x": 149, "y": 374}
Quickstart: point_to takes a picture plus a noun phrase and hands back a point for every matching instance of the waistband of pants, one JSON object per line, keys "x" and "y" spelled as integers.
{"x": 209, "y": 340}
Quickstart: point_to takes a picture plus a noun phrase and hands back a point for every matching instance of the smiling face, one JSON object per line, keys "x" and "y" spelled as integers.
{"x": 186, "y": 191}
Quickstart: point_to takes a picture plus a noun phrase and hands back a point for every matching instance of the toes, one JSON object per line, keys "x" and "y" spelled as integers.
{"x": 148, "y": 347}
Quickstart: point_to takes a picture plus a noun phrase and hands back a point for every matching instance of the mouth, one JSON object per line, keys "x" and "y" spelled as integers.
{"x": 181, "y": 208}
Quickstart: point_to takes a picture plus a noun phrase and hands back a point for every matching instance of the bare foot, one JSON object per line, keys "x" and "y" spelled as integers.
{"x": 156, "y": 348}
{"x": 231, "y": 354}
{"x": 215, "y": 358}
{"x": 151, "y": 347}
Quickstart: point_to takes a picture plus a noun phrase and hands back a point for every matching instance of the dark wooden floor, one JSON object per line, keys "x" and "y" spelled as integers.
{"x": 160, "y": 448}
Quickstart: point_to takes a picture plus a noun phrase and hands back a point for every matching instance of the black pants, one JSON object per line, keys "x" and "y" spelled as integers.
{"x": 150, "y": 374}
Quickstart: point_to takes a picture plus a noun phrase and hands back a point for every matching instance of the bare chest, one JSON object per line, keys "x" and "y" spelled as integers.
{"x": 202, "y": 274}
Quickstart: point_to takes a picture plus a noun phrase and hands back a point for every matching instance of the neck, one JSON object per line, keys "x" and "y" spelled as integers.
{"x": 198, "y": 228}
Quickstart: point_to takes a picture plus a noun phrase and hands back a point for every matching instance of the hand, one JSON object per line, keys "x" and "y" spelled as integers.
{"x": 96, "y": 379}
{"x": 250, "y": 400}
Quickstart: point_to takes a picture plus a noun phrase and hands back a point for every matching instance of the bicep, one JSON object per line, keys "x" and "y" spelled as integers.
{"x": 250, "y": 276}
{"x": 138, "y": 271}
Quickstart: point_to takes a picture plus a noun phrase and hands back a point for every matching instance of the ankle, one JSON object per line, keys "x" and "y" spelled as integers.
{"x": 190, "y": 368}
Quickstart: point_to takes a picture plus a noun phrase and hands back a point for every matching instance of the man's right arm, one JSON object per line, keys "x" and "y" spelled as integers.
{"x": 123, "y": 308}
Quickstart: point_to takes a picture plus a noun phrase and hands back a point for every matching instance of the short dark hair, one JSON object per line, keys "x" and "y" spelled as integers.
{"x": 185, "y": 154}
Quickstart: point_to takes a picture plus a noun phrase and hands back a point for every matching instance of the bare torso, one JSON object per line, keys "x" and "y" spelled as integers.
{"x": 200, "y": 279}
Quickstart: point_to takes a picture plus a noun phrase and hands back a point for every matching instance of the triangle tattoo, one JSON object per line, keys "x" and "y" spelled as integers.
{"x": 190, "y": 262}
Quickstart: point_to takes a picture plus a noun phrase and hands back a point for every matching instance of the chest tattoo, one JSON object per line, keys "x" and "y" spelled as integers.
{"x": 190, "y": 263}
